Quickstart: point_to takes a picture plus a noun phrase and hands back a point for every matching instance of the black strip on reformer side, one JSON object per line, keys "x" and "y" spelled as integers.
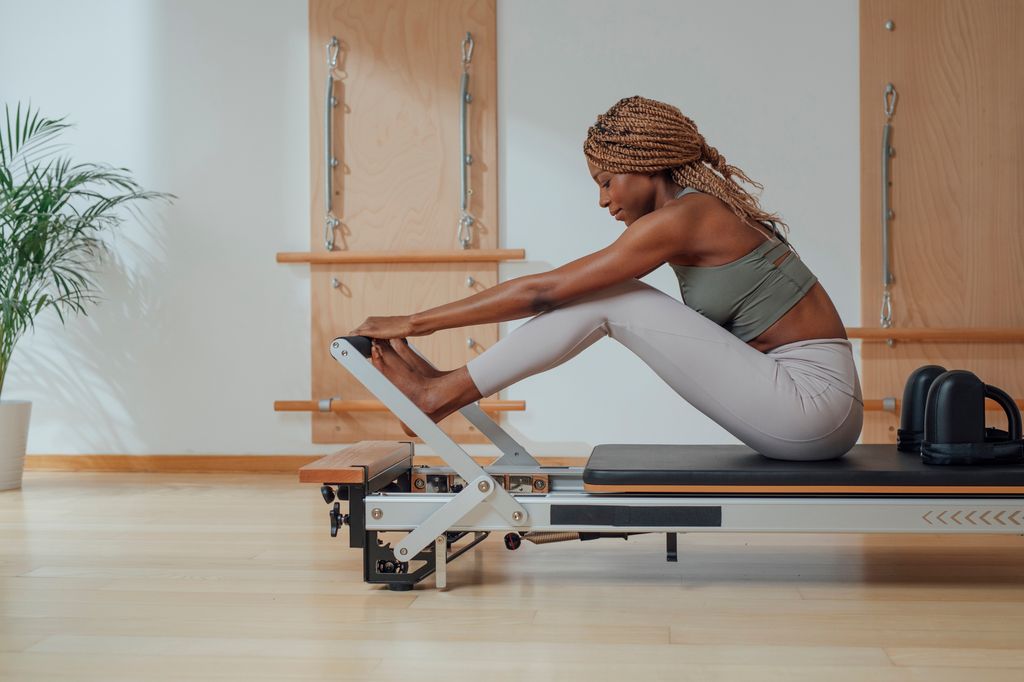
{"x": 640, "y": 517}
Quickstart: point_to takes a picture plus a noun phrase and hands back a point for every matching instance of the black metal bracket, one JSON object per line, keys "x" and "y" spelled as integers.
{"x": 381, "y": 567}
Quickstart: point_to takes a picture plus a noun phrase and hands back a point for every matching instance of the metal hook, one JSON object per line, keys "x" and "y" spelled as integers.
{"x": 330, "y": 223}
{"x": 886, "y": 316}
{"x": 890, "y": 104}
{"x": 465, "y": 232}
{"x": 332, "y": 48}
{"x": 467, "y": 50}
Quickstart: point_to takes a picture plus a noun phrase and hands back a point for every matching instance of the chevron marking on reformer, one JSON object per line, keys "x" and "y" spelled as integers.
{"x": 974, "y": 517}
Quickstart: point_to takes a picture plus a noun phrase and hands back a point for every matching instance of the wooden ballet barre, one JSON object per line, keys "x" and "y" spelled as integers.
{"x": 879, "y": 405}
{"x": 949, "y": 335}
{"x": 453, "y": 256}
{"x": 343, "y": 406}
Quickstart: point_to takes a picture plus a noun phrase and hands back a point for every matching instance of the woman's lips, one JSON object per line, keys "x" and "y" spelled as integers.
{"x": 616, "y": 215}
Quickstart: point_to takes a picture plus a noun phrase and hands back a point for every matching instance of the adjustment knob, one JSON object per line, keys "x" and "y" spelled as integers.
{"x": 337, "y": 519}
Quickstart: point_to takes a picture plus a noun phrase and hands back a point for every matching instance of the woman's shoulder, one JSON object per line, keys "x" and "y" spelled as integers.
{"x": 714, "y": 233}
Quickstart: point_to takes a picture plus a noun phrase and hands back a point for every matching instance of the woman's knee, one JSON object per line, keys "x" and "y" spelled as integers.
{"x": 616, "y": 302}
{"x": 627, "y": 288}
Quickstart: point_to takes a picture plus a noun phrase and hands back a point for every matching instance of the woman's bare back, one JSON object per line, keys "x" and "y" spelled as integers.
{"x": 720, "y": 237}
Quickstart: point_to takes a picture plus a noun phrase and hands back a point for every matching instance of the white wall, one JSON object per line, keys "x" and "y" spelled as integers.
{"x": 772, "y": 85}
{"x": 201, "y": 331}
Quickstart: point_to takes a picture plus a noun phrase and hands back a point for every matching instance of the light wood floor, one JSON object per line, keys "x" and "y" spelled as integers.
{"x": 178, "y": 576}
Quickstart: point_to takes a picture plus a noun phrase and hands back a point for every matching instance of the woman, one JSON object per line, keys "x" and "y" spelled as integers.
{"x": 756, "y": 344}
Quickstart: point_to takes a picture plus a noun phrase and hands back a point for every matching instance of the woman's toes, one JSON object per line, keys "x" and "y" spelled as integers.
{"x": 414, "y": 385}
{"x": 411, "y": 358}
{"x": 390, "y": 357}
{"x": 377, "y": 358}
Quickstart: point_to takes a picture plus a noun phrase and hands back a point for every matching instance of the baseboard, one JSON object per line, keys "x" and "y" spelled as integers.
{"x": 233, "y": 464}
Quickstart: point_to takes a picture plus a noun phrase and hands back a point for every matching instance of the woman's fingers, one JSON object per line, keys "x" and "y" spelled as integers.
{"x": 383, "y": 327}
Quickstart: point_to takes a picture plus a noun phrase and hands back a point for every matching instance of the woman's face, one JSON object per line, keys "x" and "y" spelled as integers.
{"x": 627, "y": 196}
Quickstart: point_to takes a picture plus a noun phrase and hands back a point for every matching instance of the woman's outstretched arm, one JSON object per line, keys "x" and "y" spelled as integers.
{"x": 642, "y": 247}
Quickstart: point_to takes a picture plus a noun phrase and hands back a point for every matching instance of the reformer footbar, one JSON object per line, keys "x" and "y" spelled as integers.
{"x": 626, "y": 490}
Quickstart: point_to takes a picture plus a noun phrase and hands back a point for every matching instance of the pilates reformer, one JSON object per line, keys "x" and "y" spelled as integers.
{"x": 624, "y": 490}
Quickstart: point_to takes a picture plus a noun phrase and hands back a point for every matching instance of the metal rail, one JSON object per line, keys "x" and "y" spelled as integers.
{"x": 889, "y": 101}
{"x": 465, "y": 225}
{"x": 330, "y": 161}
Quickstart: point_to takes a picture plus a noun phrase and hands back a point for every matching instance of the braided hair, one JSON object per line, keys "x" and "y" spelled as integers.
{"x": 640, "y": 135}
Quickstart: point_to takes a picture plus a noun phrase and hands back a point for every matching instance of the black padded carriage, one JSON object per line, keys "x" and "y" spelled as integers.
{"x": 869, "y": 470}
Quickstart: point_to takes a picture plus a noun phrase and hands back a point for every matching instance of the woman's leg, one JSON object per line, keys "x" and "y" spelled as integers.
{"x": 800, "y": 403}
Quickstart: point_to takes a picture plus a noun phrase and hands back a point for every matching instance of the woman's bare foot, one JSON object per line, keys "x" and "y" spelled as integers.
{"x": 376, "y": 357}
{"x": 437, "y": 396}
{"x": 414, "y": 361}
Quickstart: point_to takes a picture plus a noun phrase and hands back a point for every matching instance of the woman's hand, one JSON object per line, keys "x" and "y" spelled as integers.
{"x": 394, "y": 327}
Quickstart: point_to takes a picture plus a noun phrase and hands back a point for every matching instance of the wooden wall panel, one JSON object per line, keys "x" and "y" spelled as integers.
{"x": 395, "y": 290}
{"x": 396, "y": 126}
{"x": 957, "y": 243}
{"x": 396, "y": 188}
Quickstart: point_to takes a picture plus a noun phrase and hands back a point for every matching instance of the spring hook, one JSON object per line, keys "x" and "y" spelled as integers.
{"x": 889, "y": 100}
{"x": 886, "y": 316}
{"x": 465, "y": 230}
{"x": 467, "y": 51}
{"x": 330, "y": 223}
{"x": 332, "y": 48}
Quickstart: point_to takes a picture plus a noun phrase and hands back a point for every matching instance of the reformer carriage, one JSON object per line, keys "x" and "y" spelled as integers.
{"x": 447, "y": 510}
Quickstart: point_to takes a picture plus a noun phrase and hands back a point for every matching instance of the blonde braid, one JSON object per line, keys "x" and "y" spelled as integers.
{"x": 640, "y": 135}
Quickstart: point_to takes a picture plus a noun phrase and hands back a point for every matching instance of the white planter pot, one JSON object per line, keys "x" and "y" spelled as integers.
{"x": 14, "y": 416}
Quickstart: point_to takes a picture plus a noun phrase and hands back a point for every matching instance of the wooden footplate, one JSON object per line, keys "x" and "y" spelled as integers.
{"x": 359, "y": 463}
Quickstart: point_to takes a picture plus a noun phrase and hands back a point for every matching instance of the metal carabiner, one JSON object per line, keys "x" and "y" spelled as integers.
{"x": 889, "y": 102}
{"x": 332, "y": 48}
{"x": 330, "y": 223}
{"x": 886, "y": 317}
{"x": 465, "y": 234}
{"x": 467, "y": 50}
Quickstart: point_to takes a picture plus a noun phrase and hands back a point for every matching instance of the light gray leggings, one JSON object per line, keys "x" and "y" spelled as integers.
{"x": 800, "y": 401}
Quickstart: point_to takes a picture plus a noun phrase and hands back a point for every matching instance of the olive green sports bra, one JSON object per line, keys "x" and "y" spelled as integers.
{"x": 749, "y": 294}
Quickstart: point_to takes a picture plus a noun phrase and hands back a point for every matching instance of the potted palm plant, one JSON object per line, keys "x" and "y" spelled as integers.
{"x": 52, "y": 215}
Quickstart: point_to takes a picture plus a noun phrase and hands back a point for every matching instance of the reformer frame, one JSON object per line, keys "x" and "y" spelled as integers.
{"x": 447, "y": 510}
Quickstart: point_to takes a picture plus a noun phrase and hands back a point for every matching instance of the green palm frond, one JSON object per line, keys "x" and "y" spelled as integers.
{"x": 52, "y": 213}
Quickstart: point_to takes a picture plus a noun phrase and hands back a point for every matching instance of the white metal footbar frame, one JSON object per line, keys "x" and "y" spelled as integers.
{"x": 440, "y": 514}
